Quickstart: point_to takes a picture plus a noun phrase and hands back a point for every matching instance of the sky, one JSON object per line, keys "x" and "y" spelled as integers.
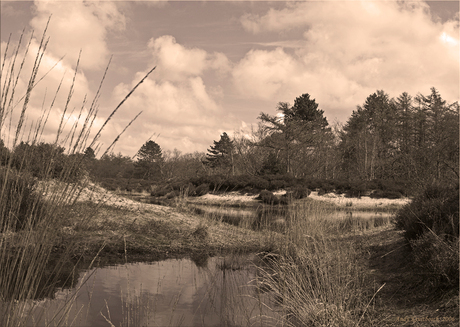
{"x": 219, "y": 64}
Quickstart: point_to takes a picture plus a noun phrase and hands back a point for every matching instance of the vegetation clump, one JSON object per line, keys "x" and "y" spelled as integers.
{"x": 21, "y": 206}
{"x": 431, "y": 225}
{"x": 435, "y": 210}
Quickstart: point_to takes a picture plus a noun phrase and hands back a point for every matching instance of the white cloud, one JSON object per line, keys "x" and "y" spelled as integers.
{"x": 264, "y": 74}
{"x": 79, "y": 25}
{"x": 176, "y": 62}
{"x": 352, "y": 49}
{"x": 46, "y": 102}
{"x": 177, "y": 105}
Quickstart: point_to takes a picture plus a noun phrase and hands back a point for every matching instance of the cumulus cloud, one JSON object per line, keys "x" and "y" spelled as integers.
{"x": 79, "y": 25}
{"x": 176, "y": 102}
{"x": 49, "y": 101}
{"x": 351, "y": 49}
{"x": 176, "y": 62}
{"x": 265, "y": 73}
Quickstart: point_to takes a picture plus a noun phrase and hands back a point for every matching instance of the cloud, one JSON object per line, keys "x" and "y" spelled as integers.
{"x": 351, "y": 49}
{"x": 49, "y": 96}
{"x": 185, "y": 115}
{"x": 79, "y": 25}
{"x": 176, "y": 102}
{"x": 264, "y": 74}
{"x": 176, "y": 62}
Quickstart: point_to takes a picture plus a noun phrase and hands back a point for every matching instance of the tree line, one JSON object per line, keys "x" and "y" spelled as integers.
{"x": 409, "y": 140}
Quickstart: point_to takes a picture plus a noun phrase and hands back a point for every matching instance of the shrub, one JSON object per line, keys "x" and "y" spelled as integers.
{"x": 325, "y": 188}
{"x": 202, "y": 189}
{"x": 188, "y": 190}
{"x": 299, "y": 192}
{"x": 439, "y": 258}
{"x": 269, "y": 198}
{"x": 356, "y": 190}
{"x": 277, "y": 184}
{"x": 160, "y": 190}
{"x": 434, "y": 210}
{"x": 258, "y": 183}
{"x": 342, "y": 186}
{"x": 313, "y": 183}
{"x": 378, "y": 194}
{"x": 172, "y": 195}
{"x": 20, "y": 205}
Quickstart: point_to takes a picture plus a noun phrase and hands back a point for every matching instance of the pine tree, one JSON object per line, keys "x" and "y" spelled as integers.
{"x": 149, "y": 161}
{"x": 220, "y": 155}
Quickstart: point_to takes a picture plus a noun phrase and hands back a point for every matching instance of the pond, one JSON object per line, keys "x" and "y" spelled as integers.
{"x": 275, "y": 217}
{"x": 219, "y": 291}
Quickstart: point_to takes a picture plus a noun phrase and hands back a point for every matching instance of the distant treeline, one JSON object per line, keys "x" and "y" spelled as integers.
{"x": 399, "y": 144}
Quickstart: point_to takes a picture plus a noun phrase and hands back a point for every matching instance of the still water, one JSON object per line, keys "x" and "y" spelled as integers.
{"x": 217, "y": 292}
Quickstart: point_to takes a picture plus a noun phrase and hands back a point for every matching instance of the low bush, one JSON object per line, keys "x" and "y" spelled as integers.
{"x": 299, "y": 192}
{"x": 160, "y": 190}
{"x": 356, "y": 190}
{"x": 21, "y": 206}
{"x": 312, "y": 183}
{"x": 435, "y": 210}
{"x": 379, "y": 194}
{"x": 202, "y": 189}
{"x": 258, "y": 183}
{"x": 172, "y": 195}
{"x": 438, "y": 258}
{"x": 325, "y": 188}
{"x": 268, "y": 197}
{"x": 188, "y": 190}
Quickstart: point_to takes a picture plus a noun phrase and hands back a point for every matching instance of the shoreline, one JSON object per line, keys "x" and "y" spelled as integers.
{"x": 129, "y": 230}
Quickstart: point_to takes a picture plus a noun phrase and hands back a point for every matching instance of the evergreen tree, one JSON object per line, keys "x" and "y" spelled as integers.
{"x": 300, "y": 132}
{"x": 149, "y": 161}
{"x": 220, "y": 155}
{"x": 89, "y": 153}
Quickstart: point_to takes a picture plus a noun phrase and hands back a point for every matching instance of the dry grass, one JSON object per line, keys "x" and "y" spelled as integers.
{"x": 36, "y": 240}
{"x": 317, "y": 278}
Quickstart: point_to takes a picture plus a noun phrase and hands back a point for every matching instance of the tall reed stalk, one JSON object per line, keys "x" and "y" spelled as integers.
{"x": 316, "y": 278}
{"x": 34, "y": 196}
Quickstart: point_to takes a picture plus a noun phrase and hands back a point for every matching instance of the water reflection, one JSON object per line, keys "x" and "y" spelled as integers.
{"x": 166, "y": 293}
{"x": 276, "y": 217}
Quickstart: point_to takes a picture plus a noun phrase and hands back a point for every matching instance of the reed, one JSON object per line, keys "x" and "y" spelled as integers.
{"x": 317, "y": 278}
{"x": 37, "y": 194}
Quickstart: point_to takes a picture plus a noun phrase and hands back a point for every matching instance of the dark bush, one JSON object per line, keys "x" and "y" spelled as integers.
{"x": 379, "y": 194}
{"x": 215, "y": 182}
{"x": 160, "y": 190}
{"x": 277, "y": 184}
{"x": 299, "y": 192}
{"x": 20, "y": 206}
{"x": 172, "y": 194}
{"x": 258, "y": 183}
{"x": 202, "y": 189}
{"x": 342, "y": 186}
{"x": 387, "y": 185}
{"x": 269, "y": 198}
{"x": 434, "y": 210}
{"x": 188, "y": 189}
{"x": 356, "y": 190}
{"x": 312, "y": 183}
{"x": 440, "y": 259}
{"x": 325, "y": 188}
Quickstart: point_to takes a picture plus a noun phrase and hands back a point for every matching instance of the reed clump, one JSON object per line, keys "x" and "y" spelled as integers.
{"x": 34, "y": 209}
{"x": 316, "y": 277}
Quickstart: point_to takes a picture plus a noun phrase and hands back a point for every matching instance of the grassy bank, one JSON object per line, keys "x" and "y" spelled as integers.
{"x": 152, "y": 232}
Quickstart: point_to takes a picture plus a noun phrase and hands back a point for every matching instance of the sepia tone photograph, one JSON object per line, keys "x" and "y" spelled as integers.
{"x": 229, "y": 163}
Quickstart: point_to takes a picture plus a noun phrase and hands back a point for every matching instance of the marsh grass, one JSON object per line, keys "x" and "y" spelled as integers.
{"x": 316, "y": 277}
{"x": 34, "y": 253}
